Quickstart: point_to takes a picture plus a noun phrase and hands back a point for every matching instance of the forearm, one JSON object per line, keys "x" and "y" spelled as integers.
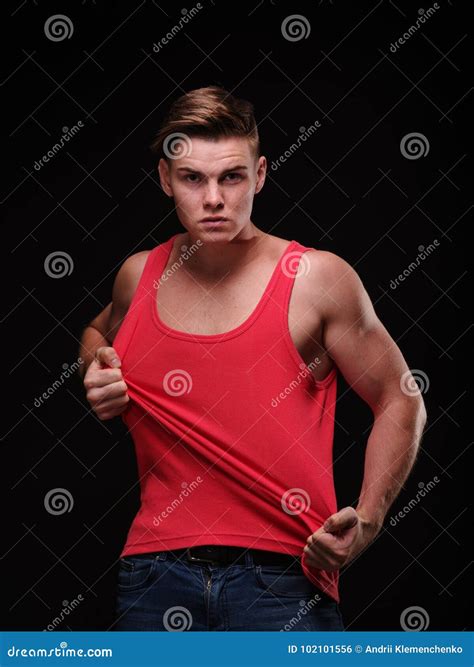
{"x": 91, "y": 340}
{"x": 391, "y": 452}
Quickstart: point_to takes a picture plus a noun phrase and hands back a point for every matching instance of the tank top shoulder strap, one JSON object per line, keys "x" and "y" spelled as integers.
{"x": 292, "y": 264}
{"x": 154, "y": 264}
{"x": 158, "y": 260}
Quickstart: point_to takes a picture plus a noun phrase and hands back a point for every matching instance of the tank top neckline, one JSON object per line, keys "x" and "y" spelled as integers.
{"x": 159, "y": 266}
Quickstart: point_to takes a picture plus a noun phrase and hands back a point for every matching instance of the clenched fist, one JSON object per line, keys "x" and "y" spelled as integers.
{"x": 106, "y": 390}
{"x": 342, "y": 536}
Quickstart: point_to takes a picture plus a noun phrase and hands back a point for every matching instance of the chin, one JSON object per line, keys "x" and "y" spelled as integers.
{"x": 215, "y": 233}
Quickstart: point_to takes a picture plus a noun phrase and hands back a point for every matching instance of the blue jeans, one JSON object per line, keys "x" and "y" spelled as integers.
{"x": 157, "y": 591}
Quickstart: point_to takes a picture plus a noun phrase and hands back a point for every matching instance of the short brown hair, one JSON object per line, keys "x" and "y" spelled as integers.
{"x": 211, "y": 113}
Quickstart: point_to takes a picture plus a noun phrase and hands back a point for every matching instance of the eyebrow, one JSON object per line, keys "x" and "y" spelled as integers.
{"x": 226, "y": 171}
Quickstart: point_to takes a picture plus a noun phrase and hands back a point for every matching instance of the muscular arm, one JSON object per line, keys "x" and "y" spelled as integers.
{"x": 101, "y": 331}
{"x": 373, "y": 366}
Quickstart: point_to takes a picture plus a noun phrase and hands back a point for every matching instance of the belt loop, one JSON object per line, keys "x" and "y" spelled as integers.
{"x": 249, "y": 562}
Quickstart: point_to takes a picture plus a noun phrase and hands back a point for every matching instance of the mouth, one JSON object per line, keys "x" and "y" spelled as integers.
{"x": 213, "y": 220}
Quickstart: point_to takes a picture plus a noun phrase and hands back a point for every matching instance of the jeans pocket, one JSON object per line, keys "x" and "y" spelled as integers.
{"x": 135, "y": 572}
{"x": 285, "y": 582}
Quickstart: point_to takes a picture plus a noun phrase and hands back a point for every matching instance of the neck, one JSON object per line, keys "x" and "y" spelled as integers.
{"x": 216, "y": 259}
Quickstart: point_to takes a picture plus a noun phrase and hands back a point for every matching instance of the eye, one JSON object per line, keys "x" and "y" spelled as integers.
{"x": 186, "y": 178}
{"x": 233, "y": 176}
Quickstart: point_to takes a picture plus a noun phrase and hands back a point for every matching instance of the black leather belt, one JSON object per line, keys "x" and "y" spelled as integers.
{"x": 225, "y": 555}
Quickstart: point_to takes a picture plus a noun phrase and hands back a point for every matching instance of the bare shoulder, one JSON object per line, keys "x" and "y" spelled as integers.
{"x": 335, "y": 284}
{"x": 133, "y": 266}
{"x": 125, "y": 285}
{"x": 322, "y": 267}
{"x": 128, "y": 276}
{"x": 328, "y": 266}
{"x": 325, "y": 278}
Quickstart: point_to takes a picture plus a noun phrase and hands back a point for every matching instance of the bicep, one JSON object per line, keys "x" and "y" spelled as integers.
{"x": 124, "y": 288}
{"x": 102, "y": 320}
{"x": 108, "y": 322}
{"x": 357, "y": 341}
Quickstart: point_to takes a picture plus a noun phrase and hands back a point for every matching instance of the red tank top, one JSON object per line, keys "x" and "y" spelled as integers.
{"x": 232, "y": 433}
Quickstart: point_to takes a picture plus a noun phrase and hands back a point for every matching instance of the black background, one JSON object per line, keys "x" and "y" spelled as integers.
{"x": 349, "y": 190}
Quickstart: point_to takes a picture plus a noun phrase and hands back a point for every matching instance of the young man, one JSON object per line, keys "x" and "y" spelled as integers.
{"x": 220, "y": 349}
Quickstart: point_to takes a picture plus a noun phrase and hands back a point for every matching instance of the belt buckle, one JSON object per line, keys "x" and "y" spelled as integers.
{"x": 196, "y": 559}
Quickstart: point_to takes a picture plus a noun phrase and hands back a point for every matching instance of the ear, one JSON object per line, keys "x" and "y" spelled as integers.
{"x": 261, "y": 173}
{"x": 164, "y": 172}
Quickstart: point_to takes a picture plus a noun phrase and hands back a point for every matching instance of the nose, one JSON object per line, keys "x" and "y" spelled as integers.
{"x": 213, "y": 196}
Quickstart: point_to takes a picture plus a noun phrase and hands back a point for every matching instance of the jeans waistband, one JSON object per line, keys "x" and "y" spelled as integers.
{"x": 228, "y": 555}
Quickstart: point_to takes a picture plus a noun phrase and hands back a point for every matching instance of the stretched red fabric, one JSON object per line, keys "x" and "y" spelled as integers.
{"x": 232, "y": 433}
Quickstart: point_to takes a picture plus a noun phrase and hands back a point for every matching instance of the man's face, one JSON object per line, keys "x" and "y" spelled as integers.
{"x": 217, "y": 179}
